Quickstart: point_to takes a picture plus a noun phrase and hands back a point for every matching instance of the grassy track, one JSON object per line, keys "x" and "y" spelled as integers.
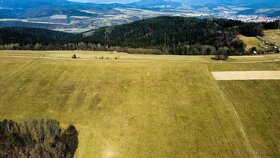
{"x": 146, "y": 105}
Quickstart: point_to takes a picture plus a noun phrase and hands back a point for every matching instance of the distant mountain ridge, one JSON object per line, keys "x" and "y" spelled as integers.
{"x": 64, "y": 14}
{"x": 141, "y": 3}
{"x": 228, "y": 2}
{"x": 156, "y": 4}
{"x": 31, "y": 3}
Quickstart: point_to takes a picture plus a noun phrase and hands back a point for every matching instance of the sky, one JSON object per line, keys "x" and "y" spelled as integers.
{"x": 106, "y": 1}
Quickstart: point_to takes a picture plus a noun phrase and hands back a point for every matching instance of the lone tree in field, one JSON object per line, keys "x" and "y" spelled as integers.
{"x": 222, "y": 53}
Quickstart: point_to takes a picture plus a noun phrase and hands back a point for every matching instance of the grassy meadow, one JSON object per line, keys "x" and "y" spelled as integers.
{"x": 252, "y": 42}
{"x": 146, "y": 105}
{"x": 271, "y": 36}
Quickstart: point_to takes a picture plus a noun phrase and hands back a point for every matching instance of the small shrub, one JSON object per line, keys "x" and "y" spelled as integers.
{"x": 74, "y": 56}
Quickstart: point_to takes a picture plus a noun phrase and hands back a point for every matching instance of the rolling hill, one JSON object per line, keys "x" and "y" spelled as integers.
{"x": 175, "y": 34}
{"x": 26, "y": 36}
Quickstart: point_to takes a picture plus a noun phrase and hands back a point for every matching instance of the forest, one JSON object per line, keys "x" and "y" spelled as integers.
{"x": 161, "y": 35}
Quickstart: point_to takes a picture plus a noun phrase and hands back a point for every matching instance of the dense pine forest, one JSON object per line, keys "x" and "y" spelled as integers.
{"x": 161, "y": 35}
{"x": 25, "y": 35}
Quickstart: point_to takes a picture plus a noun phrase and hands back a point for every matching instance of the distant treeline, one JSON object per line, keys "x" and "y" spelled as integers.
{"x": 161, "y": 35}
{"x": 25, "y": 36}
{"x": 272, "y": 25}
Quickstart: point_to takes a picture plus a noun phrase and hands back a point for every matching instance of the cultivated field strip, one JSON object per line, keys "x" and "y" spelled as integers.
{"x": 246, "y": 75}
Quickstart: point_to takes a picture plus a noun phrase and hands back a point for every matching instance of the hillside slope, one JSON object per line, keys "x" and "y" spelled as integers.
{"x": 177, "y": 35}
{"x": 26, "y": 36}
{"x": 165, "y": 30}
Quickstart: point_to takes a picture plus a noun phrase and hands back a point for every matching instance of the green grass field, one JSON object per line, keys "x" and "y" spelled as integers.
{"x": 272, "y": 36}
{"x": 252, "y": 42}
{"x": 146, "y": 105}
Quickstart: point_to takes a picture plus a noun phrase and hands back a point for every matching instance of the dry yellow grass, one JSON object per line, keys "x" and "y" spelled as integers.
{"x": 145, "y": 105}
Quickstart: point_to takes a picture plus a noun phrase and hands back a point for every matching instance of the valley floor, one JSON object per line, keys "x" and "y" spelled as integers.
{"x": 146, "y": 105}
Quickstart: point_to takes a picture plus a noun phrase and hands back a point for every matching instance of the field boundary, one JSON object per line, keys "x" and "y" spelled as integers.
{"x": 138, "y": 60}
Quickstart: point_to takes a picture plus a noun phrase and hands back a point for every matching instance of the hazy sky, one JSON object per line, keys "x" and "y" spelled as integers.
{"x": 106, "y": 1}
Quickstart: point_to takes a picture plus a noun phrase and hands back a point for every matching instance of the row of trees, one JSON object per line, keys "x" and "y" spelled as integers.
{"x": 272, "y": 25}
{"x": 237, "y": 48}
{"x": 67, "y": 46}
